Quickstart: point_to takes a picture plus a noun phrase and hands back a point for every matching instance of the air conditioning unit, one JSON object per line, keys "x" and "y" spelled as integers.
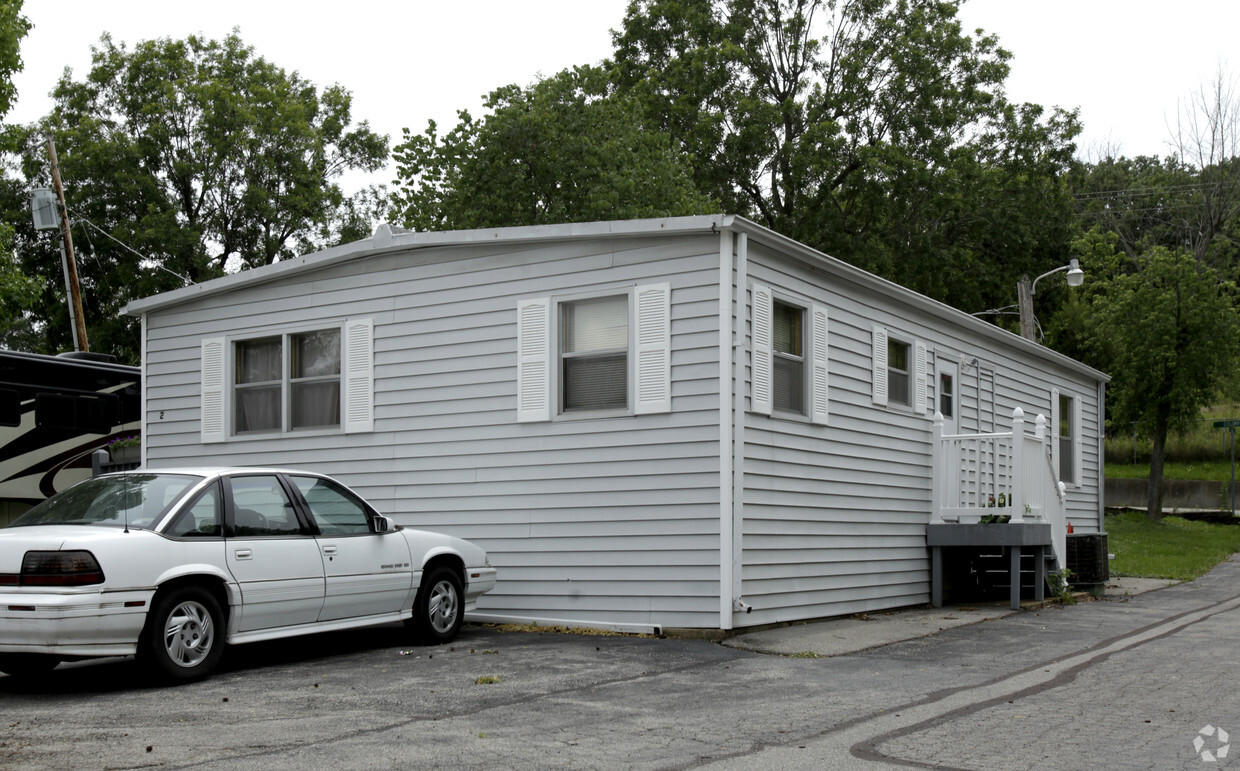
{"x": 1087, "y": 558}
{"x": 44, "y": 209}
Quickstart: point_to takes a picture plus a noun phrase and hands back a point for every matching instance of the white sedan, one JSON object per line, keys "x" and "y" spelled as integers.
{"x": 170, "y": 565}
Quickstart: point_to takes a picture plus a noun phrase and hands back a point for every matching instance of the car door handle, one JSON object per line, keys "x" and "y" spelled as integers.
{"x": 244, "y": 554}
{"x": 329, "y": 549}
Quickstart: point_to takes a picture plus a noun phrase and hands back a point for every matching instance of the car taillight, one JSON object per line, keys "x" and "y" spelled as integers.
{"x": 60, "y": 568}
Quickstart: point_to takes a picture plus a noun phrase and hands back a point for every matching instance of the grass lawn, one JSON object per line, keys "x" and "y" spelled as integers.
{"x": 1216, "y": 471}
{"x": 1173, "y": 548}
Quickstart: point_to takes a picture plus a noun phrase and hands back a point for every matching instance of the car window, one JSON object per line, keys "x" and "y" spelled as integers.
{"x": 261, "y": 507}
{"x": 335, "y": 510}
{"x": 131, "y": 500}
{"x": 201, "y": 519}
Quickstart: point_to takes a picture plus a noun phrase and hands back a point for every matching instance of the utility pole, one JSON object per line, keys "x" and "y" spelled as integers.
{"x": 76, "y": 319}
{"x": 1024, "y": 303}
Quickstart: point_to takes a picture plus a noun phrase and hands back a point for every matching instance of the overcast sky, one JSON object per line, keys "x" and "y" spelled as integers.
{"x": 1125, "y": 63}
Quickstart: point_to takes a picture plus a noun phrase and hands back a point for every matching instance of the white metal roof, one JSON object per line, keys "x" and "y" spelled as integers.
{"x": 386, "y": 240}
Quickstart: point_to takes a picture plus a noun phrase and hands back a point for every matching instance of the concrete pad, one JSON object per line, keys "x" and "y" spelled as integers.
{"x": 1125, "y": 586}
{"x": 850, "y": 634}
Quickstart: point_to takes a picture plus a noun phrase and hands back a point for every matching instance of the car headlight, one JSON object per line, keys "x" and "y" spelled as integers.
{"x": 60, "y": 568}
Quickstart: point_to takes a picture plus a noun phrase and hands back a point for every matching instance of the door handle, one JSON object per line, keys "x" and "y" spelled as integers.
{"x": 244, "y": 554}
{"x": 329, "y": 549}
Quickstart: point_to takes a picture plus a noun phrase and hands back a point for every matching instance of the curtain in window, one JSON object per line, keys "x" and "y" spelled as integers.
{"x": 258, "y": 385}
{"x": 316, "y": 379}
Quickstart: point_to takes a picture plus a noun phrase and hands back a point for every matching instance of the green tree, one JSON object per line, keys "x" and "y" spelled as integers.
{"x": 18, "y": 291}
{"x": 186, "y": 158}
{"x": 875, "y": 130}
{"x": 1169, "y": 333}
{"x": 562, "y": 150}
{"x": 13, "y": 27}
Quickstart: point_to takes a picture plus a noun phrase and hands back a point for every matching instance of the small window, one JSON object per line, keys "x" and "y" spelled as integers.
{"x": 311, "y": 387}
{"x": 334, "y": 509}
{"x": 1067, "y": 440}
{"x": 595, "y": 354}
{"x": 79, "y": 413}
{"x": 259, "y": 380}
{"x": 947, "y": 396}
{"x": 898, "y": 380}
{"x": 789, "y": 351}
{"x": 315, "y": 379}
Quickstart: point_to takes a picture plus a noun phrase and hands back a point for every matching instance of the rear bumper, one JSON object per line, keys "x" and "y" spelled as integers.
{"x": 91, "y": 624}
{"x": 479, "y": 581}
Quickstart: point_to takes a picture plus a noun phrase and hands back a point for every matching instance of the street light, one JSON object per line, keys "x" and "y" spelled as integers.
{"x": 1025, "y": 290}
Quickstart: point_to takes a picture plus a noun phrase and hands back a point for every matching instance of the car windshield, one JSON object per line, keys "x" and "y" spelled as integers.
{"x": 124, "y": 500}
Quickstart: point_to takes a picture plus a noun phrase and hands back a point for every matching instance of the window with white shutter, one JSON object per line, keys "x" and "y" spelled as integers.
{"x": 612, "y": 354}
{"x": 305, "y": 380}
{"x": 898, "y": 371}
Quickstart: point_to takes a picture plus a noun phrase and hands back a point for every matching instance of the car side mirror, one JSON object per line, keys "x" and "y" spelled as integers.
{"x": 380, "y": 524}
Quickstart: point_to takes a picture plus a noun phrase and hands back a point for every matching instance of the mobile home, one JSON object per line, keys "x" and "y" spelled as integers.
{"x": 684, "y": 422}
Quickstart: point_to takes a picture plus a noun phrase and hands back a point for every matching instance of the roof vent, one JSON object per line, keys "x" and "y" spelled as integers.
{"x": 383, "y": 236}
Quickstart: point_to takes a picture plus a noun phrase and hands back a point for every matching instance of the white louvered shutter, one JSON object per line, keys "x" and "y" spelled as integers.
{"x": 214, "y": 425}
{"x": 534, "y": 360}
{"x": 359, "y": 376}
{"x": 652, "y": 374}
{"x": 763, "y": 350}
{"x": 819, "y": 402}
{"x": 878, "y": 359}
{"x": 919, "y": 375}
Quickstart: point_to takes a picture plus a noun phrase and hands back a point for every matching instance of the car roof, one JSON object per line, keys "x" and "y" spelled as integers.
{"x": 217, "y": 471}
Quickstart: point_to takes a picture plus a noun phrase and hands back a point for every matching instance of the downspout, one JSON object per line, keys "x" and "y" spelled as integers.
{"x": 726, "y": 483}
{"x": 738, "y": 416}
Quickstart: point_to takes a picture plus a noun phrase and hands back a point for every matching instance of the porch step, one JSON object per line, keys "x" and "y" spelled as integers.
{"x": 992, "y": 571}
{"x": 973, "y": 573}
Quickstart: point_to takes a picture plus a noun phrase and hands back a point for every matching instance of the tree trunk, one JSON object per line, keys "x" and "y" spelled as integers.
{"x": 1154, "y": 490}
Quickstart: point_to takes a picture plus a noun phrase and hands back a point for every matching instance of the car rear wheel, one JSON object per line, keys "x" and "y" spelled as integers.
{"x": 184, "y": 635}
{"x": 440, "y": 607}
{"x": 27, "y": 664}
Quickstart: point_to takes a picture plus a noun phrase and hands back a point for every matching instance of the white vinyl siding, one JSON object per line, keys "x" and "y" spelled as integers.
{"x": 613, "y": 519}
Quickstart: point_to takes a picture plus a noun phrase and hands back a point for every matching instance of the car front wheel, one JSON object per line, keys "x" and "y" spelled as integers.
{"x": 440, "y": 607}
{"x": 184, "y": 635}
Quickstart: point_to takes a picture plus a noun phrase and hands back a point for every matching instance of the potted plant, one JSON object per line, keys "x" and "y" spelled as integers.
{"x": 125, "y": 449}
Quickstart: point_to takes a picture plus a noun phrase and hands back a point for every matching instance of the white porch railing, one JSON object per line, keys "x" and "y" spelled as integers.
{"x": 1003, "y": 474}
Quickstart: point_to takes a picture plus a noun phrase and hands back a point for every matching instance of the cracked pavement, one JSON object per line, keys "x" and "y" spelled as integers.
{"x": 1123, "y": 683}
